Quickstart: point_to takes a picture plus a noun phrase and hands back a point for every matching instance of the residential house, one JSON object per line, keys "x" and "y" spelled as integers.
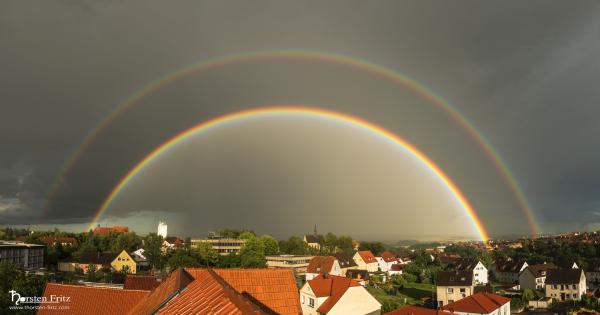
{"x": 507, "y": 271}
{"x": 189, "y": 291}
{"x": 480, "y": 272}
{"x": 396, "y": 270}
{"x": 28, "y": 256}
{"x": 172, "y": 242}
{"x": 385, "y": 261}
{"x": 346, "y": 262}
{"x": 359, "y": 275}
{"x": 565, "y": 284}
{"x": 116, "y": 261}
{"x": 103, "y": 231}
{"x": 416, "y": 310}
{"x": 327, "y": 294}
{"x": 534, "y": 276}
{"x": 366, "y": 260}
{"x": 140, "y": 258}
{"x": 452, "y": 286}
{"x": 297, "y": 262}
{"x": 323, "y": 265}
{"x": 313, "y": 241}
{"x": 592, "y": 276}
{"x": 482, "y": 303}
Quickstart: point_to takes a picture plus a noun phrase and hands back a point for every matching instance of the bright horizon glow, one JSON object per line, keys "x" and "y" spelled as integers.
{"x": 296, "y": 110}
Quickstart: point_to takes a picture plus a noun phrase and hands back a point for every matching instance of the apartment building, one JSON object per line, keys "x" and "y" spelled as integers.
{"x": 28, "y": 256}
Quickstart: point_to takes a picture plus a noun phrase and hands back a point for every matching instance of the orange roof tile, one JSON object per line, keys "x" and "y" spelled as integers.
{"x": 481, "y": 303}
{"x": 367, "y": 256}
{"x": 106, "y": 230}
{"x": 416, "y": 310}
{"x": 275, "y": 288}
{"x": 332, "y": 286}
{"x": 210, "y": 294}
{"x": 321, "y": 264}
{"x": 174, "y": 283}
{"x": 388, "y": 256}
{"x": 133, "y": 282}
{"x": 90, "y": 300}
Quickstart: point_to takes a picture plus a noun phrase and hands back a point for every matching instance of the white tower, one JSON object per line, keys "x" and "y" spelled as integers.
{"x": 162, "y": 229}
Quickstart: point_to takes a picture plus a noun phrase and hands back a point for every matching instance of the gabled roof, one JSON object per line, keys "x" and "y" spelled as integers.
{"x": 509, "y": 266}
{"x": 311, "y": 238}
{"x": 106, "y": 230}
{"x": 275, "y": 288}
{"x": 397, "y": 267}
{"x": 540, "y": 270}
{"x": 564, "y": 276}
{"x": 367, "y": 256}
{"x": 91, "y": 300}
{"x": 345, "y": 260}
{"x": 479, "y": 303}
{"x": 174, "y": 240}
{"x": 333, "y": 287}
{"x": 97, "y": 258}
{"x": 388, "y": 257}
{"x": 455, "y": 278}
{"x": 210, "y": 294}
{"x": 321, "y": 264}
{"x": 464, "y": 264}
{"x": 133, "y": 282}
{"x": 416, "y": 310}
{"x": 169, "y": 288}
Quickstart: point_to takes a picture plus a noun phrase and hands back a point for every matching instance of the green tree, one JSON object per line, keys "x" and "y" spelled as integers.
{"x": 293, "y": 246}
{"x": 345, "y": 244}
{"x": 207, "y": 256}
{"x": 91, "y": 273}
{"x": 375, "y": 247}
{"x": 14, "y": 278}
{"x": 246, "y": 235}
{"x": 181, "y": 258}
{"x": 528, "y": 295}
{"x": 153, "y": 250}
{"x": 252, "y": 254}
{"x": 331, "y": 243}
{"x": 271, "y": 245}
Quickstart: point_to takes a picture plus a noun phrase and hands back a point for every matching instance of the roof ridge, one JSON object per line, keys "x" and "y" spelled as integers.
{"x": 240, "y": 300}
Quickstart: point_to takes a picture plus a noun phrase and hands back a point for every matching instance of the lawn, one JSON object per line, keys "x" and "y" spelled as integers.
{"x": 412, "y": 293}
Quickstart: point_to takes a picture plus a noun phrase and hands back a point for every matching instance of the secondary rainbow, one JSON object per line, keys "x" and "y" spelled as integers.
{"x": 296, "y": 110}
{"x": 356, "y": 63}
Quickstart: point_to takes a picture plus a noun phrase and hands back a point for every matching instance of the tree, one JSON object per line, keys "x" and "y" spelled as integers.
{"x": 14, "y": 278}
{"x": 246, "y": 235}
{"x": 153, "y": 250}
{"x": 91, "y": 273}
{"x": 252, "y": 254}
{"x": 528, "y": 295}
{"x": 271, "y": 245}
{"x": 345, "y": 244}
{"x": 375, "y": 247}
{"x": 331, "y": 242}
{"x": 293, "y": 246}
{"x": 181, "y": 258}
{"x": 207, "y": 256}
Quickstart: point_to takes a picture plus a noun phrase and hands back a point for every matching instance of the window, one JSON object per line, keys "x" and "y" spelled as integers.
{"x": 450, "y": 290}
{"x": 450, "y": 301}
{"x": 574, "y": 287}
{"x": 463, "y": 290}
{"x": 311, "y": 302}
{"x": 303, "y": 299}
{"x": 554, "y": 286}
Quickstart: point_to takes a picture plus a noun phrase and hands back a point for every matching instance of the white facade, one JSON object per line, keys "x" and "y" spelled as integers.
{"x": 570, "y": 291}
{"x": 361, "y": 264}
{"x": 356, "y": 300}
{"x": 480, "y": 274}
{"x": 162, "y": 229}
{"x": 383, "y": 265}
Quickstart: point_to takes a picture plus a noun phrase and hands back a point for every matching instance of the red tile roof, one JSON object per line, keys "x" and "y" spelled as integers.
{"x": 90, "y": 300}
{"x": 367, "y": 256}
{"x": 106, "y": 230}
{"x": 332, "y": 286}
{"x": 140, "y": 283}
{"x": 276, "y": 288}
{"x": 210, "y": 294}
{"x": 321, "y": 264}
{"x": 416, "y": 310}
{"x": 388, "y": 257}
{"x": 174, "y": 283}
{"x": 480, "y": 303}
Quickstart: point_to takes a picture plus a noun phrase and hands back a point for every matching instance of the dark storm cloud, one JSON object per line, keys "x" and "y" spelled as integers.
{"x": 525, "y": 73}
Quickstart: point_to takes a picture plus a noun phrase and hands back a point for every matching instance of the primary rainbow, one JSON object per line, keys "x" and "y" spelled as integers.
{"x": 295, "y": 110}
{"x": 356, "y": 63}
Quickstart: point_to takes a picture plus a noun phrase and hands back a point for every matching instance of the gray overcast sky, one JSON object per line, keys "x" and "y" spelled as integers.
{"x": 524, "y": 73}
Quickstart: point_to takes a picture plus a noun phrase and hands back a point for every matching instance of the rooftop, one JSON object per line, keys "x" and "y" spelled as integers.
{"x": 479, "y": 303}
